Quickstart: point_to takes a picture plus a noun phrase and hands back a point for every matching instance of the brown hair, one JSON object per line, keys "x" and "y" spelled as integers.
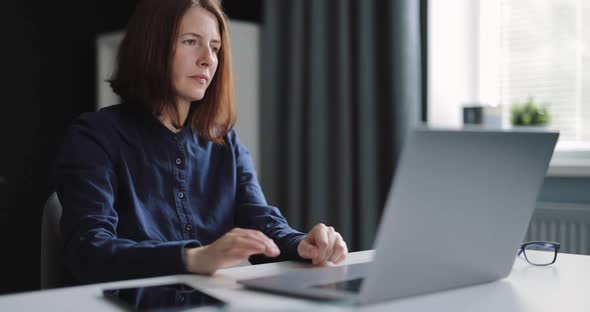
{"x": 144, "y": 67}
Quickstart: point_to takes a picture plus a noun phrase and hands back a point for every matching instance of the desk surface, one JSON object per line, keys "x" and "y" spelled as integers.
{"x": 564, "y": 286}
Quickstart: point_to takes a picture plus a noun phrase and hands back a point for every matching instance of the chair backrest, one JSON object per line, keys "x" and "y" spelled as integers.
{"x": 52, "y": 268}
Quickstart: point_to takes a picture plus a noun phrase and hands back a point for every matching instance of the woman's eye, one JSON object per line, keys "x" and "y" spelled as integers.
{"x": 215, "y": 50}
{"x": 190, "y": 41}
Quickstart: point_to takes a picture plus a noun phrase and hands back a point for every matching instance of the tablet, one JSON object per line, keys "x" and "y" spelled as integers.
{"x": 167, "y": 297}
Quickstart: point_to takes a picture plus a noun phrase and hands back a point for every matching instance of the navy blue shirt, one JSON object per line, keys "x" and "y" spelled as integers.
{"x": 135, "y": 194}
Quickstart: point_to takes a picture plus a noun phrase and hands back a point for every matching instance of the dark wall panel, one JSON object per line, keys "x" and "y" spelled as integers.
{"x": 49, "y": 79}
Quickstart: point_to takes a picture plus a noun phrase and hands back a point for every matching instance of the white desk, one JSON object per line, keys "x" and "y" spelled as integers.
{"x": 564, "y": 286}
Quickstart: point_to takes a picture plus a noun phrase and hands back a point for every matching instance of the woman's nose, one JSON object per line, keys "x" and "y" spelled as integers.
{"x": 206, "y": 58}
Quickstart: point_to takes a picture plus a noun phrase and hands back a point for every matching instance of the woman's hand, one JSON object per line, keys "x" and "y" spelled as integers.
{"x": 323, "y": 244}
{"x": 232, "y": 248}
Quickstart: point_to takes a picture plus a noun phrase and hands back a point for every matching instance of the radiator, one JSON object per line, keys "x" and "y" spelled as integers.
{"x": 566, "y": 223}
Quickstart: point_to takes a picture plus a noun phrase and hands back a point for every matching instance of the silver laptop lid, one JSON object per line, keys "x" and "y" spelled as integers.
{"x": 458, "y": 209}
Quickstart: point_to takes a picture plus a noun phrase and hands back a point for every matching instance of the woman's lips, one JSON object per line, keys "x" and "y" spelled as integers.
{"x": 200, "y": 78}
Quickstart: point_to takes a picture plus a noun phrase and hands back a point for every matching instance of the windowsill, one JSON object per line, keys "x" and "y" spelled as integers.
{"x": 570, "y": 164}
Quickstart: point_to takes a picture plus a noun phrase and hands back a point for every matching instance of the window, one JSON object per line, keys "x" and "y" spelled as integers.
{"x": 496, "y": 52}
{"x": 545, "y": 52}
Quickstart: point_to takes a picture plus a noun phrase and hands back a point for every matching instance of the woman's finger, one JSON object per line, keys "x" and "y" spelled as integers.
{"x": 339, "y": 248}
{"x": 307, "y": 250}
{"x": 259, "y": 236}
{"x": 342, "y": 258}
{"x": 319, "y": 235}
{"x": 330, "y": 247}
{"x": 247, "y": 243}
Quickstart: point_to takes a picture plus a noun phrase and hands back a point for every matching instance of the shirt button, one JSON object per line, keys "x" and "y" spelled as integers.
{"x": 180, "y": 195}
{"x": 188, "y": 227}
{"x": 178, "y": 161}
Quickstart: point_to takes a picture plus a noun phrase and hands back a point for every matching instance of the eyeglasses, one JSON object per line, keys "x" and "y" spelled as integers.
{"x": 539, "y": 252}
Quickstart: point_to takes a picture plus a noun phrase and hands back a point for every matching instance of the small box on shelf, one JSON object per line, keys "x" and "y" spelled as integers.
{"x": 482, "y": 115}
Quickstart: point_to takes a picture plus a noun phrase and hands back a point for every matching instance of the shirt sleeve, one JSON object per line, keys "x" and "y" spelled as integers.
{"x": 253, "y": 212}
{"x": 86, "y": 181}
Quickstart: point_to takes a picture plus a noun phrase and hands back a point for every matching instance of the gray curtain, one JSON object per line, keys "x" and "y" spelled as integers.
{"x": 340, "y": 87}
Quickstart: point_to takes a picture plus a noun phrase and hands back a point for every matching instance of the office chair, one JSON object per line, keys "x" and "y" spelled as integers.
{"x": 52, "y": 268}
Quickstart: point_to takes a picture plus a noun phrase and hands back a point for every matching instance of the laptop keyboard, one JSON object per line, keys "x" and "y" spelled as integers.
{"x": 353, "y": 285}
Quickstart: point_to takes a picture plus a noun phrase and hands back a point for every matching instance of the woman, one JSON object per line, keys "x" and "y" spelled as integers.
{"x": 161, "y": 184}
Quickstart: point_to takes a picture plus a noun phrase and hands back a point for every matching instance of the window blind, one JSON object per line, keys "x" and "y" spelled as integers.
{"x": 545, "y": 53}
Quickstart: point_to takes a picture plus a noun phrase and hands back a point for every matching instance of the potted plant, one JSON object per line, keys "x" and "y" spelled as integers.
{"x": 529, "y": 113}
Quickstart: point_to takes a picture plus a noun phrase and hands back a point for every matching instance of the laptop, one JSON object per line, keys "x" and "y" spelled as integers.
{"x": 457, "y": 210}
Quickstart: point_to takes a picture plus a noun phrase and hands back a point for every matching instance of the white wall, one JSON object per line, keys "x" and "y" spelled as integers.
{"x": 106, "y": 53}
{"x": 245, "y": 38}
{"x": 244, "y": 41}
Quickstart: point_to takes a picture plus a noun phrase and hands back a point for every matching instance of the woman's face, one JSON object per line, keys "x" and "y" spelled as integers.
{"x": 195, "y": 58}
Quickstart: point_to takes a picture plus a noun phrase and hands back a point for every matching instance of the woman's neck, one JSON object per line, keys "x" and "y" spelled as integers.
{"x": 166, "y": 118}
